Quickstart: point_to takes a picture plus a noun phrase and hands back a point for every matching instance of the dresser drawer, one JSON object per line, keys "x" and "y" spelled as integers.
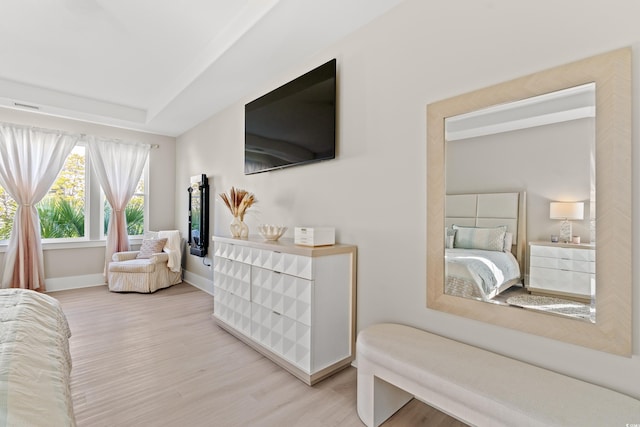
{"x": 282, "y": 335}
{"x": 233, "y": 310}
{"x": 561, "y": 280}
{"x": 294, "y": 265}
{"x": 233, "y": 252}
{"x": 563, "y": 264}
{"x": 563, "y": 253}
{"x": 287, "y": 295}
{"x": 232, "y": 276}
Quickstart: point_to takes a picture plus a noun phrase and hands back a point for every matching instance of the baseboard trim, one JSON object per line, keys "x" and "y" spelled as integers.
{"x": 55, "y": 284}
{"x": 199, "y": 282}
{"x": 74, "y": 282}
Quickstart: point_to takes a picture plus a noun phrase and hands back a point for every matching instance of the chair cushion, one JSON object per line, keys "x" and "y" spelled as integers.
{"x": 150, "y": 247}
{"x": 133, "y": 266}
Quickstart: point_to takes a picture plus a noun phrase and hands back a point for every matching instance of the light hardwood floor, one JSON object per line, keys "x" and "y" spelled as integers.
{"x": 160, "y": 360}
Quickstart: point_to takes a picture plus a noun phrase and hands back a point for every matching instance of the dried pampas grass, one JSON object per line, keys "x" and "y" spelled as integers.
{"x": 238, "y": 201}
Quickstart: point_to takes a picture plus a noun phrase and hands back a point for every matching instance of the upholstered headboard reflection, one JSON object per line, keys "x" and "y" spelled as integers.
{"x": 491, "y": 210}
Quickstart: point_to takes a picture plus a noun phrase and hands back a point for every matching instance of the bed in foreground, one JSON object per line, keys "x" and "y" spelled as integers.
{"x": 35, "y": 363}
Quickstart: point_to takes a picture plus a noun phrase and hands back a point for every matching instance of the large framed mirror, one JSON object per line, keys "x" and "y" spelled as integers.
{"x": 581, "y": 115}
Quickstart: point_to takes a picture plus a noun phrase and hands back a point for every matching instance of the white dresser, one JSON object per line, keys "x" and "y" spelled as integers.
{"x": 562, "y": 269}
{"x": 294, "y": 304}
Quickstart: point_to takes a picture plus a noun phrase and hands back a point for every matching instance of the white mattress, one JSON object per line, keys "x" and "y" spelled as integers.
{"x": 35, "y": 363}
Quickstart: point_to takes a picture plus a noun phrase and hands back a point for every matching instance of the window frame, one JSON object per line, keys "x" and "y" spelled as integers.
{"x": 87, "y": 204}
{"x": 93, "y": 207}
{"x": 145, "y": 195}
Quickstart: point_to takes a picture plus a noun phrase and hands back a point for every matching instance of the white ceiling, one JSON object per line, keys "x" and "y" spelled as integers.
{"x": 160, "y": 66}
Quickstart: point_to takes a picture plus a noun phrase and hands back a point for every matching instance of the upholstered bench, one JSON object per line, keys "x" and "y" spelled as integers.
{"x": 397, "y": 363}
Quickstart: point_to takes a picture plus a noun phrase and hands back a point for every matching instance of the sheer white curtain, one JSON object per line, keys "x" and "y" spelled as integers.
{"x": 118, "y": 165}
{"x": 30, "y": 160}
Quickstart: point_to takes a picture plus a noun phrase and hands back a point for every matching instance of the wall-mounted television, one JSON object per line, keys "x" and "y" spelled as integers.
{"x": 294, "y": 124}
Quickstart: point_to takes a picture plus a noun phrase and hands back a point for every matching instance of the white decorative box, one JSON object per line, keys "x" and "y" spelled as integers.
{"x": 314, "y": 236}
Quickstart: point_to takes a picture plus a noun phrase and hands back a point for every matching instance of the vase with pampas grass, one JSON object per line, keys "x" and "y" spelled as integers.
{"x": 238, "y": 201}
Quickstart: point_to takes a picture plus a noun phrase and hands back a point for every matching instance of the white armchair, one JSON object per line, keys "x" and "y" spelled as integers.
{"x": 129, "y": 273}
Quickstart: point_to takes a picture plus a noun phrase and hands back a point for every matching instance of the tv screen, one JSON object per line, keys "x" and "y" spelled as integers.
{"x": 293, "y": 124}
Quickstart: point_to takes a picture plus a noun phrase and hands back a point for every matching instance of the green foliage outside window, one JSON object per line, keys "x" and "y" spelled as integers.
{"x": 7, "y": 212}
{"x": 62, "y": 210}
{"x": 134, "y": 212}
{"x": 60, "y": 218}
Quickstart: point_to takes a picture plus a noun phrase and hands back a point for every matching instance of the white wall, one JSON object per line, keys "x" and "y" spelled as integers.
{"x": 374, "y": 193}
{"x": 551, "y": 163}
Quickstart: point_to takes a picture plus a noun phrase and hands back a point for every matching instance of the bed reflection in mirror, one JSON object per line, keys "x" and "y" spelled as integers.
{"x": 504, "y": 167}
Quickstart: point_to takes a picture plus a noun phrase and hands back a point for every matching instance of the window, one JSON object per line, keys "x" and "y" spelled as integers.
{"x": 64, "y": 211}
{"x": 7, "y": 212}
{"x": 134, "y": 212}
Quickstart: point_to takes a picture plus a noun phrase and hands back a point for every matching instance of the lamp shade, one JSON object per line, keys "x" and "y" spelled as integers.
{"x": 566, "y": 210}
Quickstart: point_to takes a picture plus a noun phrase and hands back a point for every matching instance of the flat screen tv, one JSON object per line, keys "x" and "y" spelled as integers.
{"x": 294, "y": 124}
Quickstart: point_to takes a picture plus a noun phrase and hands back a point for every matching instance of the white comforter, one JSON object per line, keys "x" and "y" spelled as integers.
{"x": 35, "y": 364}
{"x": 488, "y": 270}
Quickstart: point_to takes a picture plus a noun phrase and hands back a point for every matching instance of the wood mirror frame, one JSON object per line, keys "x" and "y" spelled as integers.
{"x": 612, "y": 330}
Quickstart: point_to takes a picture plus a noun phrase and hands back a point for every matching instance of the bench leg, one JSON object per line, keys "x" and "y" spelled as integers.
{"x": 377, "y": 399}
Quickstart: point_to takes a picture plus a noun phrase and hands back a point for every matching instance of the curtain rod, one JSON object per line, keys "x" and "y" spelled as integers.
{"x": 152, "y": 146}
{"x": 81, "y": 135}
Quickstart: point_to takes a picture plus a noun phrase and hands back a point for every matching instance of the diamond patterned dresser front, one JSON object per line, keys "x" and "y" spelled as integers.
{"x": 294, "y": 304}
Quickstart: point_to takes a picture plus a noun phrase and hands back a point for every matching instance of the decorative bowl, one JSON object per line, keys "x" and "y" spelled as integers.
{"x": 271, "y": 232}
